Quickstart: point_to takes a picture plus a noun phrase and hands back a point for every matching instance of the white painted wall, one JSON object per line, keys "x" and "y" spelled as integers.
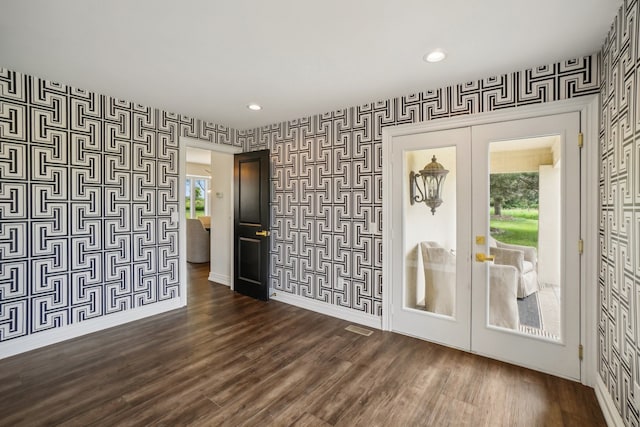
{"x": 221, "y": 208}
{"x": 421, "y": 225}
{"x": 198, "y": 169}
{"x": 549, "y": 224}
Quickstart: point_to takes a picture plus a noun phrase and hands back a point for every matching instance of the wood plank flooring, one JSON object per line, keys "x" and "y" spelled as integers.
{"x": 230, "y": 360}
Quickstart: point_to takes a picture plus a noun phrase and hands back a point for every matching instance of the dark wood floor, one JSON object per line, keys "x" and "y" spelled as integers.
{"x": 231, "y": 360}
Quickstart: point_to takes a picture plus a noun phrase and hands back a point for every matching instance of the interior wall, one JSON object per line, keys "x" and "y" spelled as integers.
{"x": 327, "y": 172}
{"x": 619, "y": 280}
{"x": 420, "y": 223}
{"x": 549, "y": 224}
{"x": 88, "y": 189}
{"x": 198, "y": 169}
{"x": 221, "y": 217}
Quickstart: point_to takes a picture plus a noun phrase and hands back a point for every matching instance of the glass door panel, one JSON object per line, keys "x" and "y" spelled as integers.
{"x": 432, "y": 246}
{"x": 525, "y": 230}
{"x": 430, "y": 237}
{"x": 526, "y": 198}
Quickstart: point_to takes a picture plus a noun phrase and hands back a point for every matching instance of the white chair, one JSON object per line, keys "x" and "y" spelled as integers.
{"x": 440, "y": 286}
{"x": 439, "y": 277}
{"x": 503, "y": 296}
{"x": 198, "y": 242}
{"x": 525, "y": 261}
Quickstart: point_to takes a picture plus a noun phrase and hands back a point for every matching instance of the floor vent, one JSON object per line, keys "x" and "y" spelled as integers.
{"x": 359, "y": 330}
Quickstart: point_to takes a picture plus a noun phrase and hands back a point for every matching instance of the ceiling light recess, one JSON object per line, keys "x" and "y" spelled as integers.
{"x": 436, "y": 55}
{"x": 254, "y": 107}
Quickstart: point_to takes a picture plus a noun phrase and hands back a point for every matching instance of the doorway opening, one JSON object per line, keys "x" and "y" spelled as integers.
{"x": 198, "y": 207}
{"x": 206, "y": 201}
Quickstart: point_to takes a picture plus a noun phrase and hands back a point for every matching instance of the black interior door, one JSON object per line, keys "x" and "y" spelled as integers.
{"x": 252, "y": 221}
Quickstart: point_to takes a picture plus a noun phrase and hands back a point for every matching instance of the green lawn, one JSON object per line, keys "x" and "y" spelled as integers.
{"x": 516, "y": 226}
{"x": 199, "y": 208}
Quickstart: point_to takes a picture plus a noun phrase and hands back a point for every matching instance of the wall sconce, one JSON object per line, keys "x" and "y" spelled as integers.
{"x": 429, "y": 183}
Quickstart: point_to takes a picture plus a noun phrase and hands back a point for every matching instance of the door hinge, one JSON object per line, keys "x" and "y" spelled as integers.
{"x": 580, "y": 351}
{"x": 580, "y": 246}
{"x": 580, "y": 140}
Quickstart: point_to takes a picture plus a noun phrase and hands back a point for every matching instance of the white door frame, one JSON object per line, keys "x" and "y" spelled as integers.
{"x": 588, "y": 106}
{"x": 184, "y": 142}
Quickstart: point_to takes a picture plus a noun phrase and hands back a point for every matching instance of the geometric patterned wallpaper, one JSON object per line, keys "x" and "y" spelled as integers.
{"x": 88, "y": 184}
{"x": 87, "y": 187}
{"x": 327, "y": 177}
{"x": 619, "y": 230}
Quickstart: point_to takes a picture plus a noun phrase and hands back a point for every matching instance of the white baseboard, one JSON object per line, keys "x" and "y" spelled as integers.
{"x": 608, "y": 406}
{"x": 223, "y": 279}
{"x": 45, "y": 338}
{"x": 328, "y": 309}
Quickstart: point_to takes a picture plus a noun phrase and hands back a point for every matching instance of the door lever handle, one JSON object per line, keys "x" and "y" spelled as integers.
{"x": 480, "y": 257}
{"x": 263, "y": 233}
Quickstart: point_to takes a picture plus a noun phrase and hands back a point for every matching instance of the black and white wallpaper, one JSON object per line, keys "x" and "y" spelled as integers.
{"x": 88, "y": 184}
{"x": 619, "y": 279}
{"x": 327, "y": 173}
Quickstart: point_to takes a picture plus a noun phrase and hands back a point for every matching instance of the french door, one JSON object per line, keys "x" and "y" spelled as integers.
{"x": 441, "y": 311}
{"x": 490, "y": 261}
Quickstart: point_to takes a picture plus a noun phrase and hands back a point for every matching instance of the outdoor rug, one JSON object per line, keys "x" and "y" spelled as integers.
{"x": 529, "y": 311}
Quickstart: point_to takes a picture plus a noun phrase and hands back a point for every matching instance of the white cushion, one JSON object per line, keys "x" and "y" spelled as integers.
{"x": 527, "y": 266}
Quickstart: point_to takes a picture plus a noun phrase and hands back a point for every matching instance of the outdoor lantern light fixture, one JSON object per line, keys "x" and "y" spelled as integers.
{"x": 429, "y": 183}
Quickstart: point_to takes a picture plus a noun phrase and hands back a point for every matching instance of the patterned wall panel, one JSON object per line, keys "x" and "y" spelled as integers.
{"x": 87, "y": 187}
{"x": 619, "y": 229}
{"x": 327, "y": 177}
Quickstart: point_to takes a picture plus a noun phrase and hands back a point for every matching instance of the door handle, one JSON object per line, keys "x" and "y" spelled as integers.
{"x": 480, "y": 257}
{"x": 263, "y": 233}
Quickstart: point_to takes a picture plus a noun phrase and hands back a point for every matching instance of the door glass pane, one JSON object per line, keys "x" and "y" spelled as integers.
{"x": 525, "y": 229}
{"x": 430, "y": 230}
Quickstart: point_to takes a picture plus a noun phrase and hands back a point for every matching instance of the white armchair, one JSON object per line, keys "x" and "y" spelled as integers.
{"x": 198, "y": 242}
{"x": 525, "y": 261}
{"x": 440, "y": 286}
{"x": 440, "y": 278}
{"x": 503, "y": 296}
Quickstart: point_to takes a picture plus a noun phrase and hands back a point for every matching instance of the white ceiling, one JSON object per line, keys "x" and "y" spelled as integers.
{"x": 209, "y": 59}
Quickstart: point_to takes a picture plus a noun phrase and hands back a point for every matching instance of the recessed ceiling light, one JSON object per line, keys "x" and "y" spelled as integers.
{"x": 435, "y": 55}
{"x": 254, "y": 107}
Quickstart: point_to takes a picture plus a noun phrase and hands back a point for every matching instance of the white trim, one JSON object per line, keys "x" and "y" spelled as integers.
{"x": 590, "y": 120}
{"x": 343, "y": 313}
{"x": 219, "y": 278}
{"x": 182, "y": 226}
{"x": 53, "y": 336}
{"x": 184, "y": 142}
{"x": 387, "y": 228}
{"x": 232, "y": 225}
{"x": 508, "y": 114}
{"x": 608, "y": 406}
{"x": 188, "y": 141}
{"x": 588, "y": 106}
